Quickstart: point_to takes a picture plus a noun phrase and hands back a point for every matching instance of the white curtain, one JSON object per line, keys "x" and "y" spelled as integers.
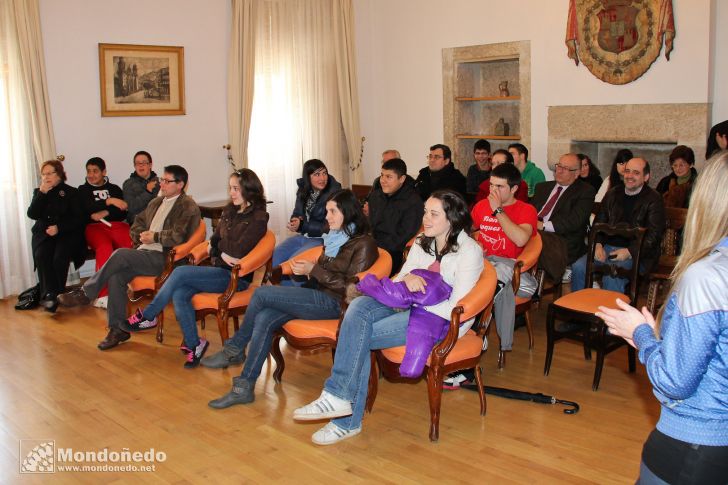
{"x": 26, "y": 136}
{"x": 296, "y": 112}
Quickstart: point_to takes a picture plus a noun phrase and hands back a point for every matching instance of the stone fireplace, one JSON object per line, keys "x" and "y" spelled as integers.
{"x": 651, "y": 131}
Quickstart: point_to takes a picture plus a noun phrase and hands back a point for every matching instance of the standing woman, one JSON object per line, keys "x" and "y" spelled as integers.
{"x": 686, "y": 352}
{"x": 348, "y": 250}
{"x": 57, "y": 232}
{"x": 616, "y": 174}
{"x": 445, "y": 247}
{"x": 309, "y": 215}
{"x": 242, "y": 225}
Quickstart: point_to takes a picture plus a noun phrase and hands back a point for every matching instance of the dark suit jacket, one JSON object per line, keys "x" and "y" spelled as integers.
{"x": 570, "y": 216}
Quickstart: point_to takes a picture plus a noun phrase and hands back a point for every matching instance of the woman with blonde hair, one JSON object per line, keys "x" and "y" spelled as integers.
{"x": 685, "y": 351}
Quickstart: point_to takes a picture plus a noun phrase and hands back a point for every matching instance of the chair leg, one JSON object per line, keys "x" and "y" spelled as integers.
{"x": 434, "y": 394}
{"x": 481, "y": 390}
{"x": 222, "y": 325}
{"x": 631, "y": 358}
{"x": 529, "y": 328}
{"x": 549, "y": 339}
{"x": 373, "y": 383}
{"x": 236, "y": 323}
{"x": 160, "y": 327}
{"x": 601, "y": 352}
{"x": 501, "y": 359}
{"x": 587, "y": 344}
{"x": 652, "y": 293}
{"x": 275, "y": 350}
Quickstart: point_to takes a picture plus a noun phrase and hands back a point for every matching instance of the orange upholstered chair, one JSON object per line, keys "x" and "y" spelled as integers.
{"x": 578, "y": 308}
{"x": 451, "y": 354}
{"x": 526, "y": 262}
{"x": 231, "y": 303}
{"x": 317, "y": 334}
{"x": 142, "y": 286}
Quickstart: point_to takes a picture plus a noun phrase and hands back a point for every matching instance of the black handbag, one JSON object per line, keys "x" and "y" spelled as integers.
{"x": 29, "y": 299}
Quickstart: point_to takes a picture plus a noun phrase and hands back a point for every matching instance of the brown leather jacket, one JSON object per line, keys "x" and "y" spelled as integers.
{"x": 333, "y": 274}
{"x": 181, "y": 222}
{"x": 237, "y": 233}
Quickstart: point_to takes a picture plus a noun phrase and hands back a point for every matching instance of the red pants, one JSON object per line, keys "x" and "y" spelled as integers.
{"x": 104, "y": 240}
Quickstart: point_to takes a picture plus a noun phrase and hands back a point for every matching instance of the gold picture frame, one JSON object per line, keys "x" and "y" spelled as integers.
{"x": 141, "y": 80}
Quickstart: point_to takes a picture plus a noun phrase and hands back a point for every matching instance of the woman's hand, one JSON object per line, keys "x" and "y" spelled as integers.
{"x": 415, "y": 283}
{"x": 117, "y": 202}
{"x": 301, "y": 267}
{"x": 52, "y": 230}
{"x": 294, "y": 224}
{"x": 45, "y": 186}
{"x": 229, "y": 260}
{"x": 623, "y": 323}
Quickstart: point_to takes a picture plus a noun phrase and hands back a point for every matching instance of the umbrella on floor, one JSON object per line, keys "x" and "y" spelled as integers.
{"x": 525, "y": 396}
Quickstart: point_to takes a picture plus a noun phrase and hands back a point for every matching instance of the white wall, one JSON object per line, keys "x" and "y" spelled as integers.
{"x": 719, "y": 62}
{"x": 399, "y": 47}
{"x": 72, "y": 30}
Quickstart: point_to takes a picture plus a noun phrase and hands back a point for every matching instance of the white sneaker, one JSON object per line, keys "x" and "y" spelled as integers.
{"x": 101, "y": 302}
{"x": 567, "y": 275}
{"x": 327, "y": 406}
{"x": 331, "y": 434}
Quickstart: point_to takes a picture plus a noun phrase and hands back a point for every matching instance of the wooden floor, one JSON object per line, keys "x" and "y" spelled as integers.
{"x": 55, "y": 384}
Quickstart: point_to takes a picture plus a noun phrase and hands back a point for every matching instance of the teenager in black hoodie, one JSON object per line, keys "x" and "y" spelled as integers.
{"x": 105, "y": 210}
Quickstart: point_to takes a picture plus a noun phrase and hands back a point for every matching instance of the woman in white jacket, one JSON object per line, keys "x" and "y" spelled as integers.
{"x": 446, "y": 247}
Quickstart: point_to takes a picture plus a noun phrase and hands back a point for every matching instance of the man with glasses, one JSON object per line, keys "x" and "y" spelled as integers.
{"x": 637, "y": 205}
{"x": 141, "y": 186}
{"x": 167, "y": 221}
{"x": 439, "y": 174}
{"x": 563, "y": 207}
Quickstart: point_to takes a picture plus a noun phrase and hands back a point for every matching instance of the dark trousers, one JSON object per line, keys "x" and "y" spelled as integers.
{"x": 122, "y": 267}
{"x": 52, "y": 256}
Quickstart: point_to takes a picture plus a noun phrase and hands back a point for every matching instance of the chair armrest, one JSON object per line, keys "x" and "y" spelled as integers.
{"x": 169, "y": 261}
{"x": 516, "y": 280}
{"x": 199, "y": 253}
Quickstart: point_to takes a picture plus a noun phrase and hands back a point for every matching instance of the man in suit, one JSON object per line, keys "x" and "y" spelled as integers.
{"x": 563, "y": 206}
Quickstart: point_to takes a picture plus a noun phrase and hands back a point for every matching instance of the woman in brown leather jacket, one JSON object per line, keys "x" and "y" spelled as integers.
{"x": 243, "y": 224}
{"x": 348, "y": 250}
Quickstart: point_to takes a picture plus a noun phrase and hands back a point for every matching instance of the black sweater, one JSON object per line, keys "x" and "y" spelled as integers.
{"x": 93, "y": 199}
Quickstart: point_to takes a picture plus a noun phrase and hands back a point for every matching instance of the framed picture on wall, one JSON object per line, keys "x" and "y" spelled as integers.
{"x": 141, "y": 80}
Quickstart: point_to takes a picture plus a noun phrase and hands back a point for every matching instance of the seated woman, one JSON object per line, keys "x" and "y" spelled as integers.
{"x": 103, "y": 201}
{"x": 309, "y": 215}
{"x": 348, "y": 250}
{"x": 57, "y": 239}
{"x": 717, "y": 139}
{"x": 589, "y": 172}
{"x": 677, "y": 187}
{"x": 616, "y": 174}
{"x": 499, "y": 157}
{"x": 445, "y": 247}
{"x": 243, "y": 224}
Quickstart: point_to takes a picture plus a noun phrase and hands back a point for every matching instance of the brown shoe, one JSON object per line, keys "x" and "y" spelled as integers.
{"x": 75, "y": 297}
{"x": 113, "y": 338}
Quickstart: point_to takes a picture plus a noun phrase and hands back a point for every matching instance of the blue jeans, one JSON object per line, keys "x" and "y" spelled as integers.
{"x": 269, "y": 309}
{"x": 291, "y": 247}
{"x": 367, "y": 325}
{"x": 180, "y": 287}
{"x": 578, "y": 273}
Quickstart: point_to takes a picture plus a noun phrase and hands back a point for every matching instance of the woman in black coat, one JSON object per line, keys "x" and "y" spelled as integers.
{"x": 57, "y": 232}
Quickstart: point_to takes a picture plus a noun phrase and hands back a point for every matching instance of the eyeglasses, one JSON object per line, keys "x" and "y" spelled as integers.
{"x": 141, "y": 164}
{"x": 48, "y": 174}
{"x": 564, "y": 167}
{"x": 168, "y": 181}
{"x": 433, "y": 157}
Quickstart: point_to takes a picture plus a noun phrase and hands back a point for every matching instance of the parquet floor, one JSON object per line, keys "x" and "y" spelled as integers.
{"x": 55, "y": 384}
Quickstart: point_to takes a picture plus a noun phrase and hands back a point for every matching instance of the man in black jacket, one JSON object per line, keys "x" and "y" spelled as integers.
{"x": 439, "y": 174}
{"x": 563, "y": 207}
{"x": 637, "y": 205}
{"x": 395, "y": 210}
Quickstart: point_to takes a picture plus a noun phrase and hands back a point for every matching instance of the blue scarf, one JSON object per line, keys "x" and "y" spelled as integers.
{"x": 334, "y": 239}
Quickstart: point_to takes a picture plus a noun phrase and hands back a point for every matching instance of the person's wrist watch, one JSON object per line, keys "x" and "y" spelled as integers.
{"x": 499, "y": 210}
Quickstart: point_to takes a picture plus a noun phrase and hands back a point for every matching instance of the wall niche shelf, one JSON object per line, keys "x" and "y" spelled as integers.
{"x": 472, "y": 103}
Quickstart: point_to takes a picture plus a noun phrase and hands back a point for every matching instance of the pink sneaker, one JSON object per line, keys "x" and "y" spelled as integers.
{"x": 193, "y": 357}
{"x": 137, "y": 322}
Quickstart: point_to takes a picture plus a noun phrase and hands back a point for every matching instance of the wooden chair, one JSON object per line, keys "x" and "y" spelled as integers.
{"x": 316, "y": 334}
{"x": 142, "y": 286}
{"x": 232, "y": 303}
{"x": 526, "y": 262}
{"x": 579, "y": 307}
{"x": 450, "y": 355}
{"x": 675, "y": 218}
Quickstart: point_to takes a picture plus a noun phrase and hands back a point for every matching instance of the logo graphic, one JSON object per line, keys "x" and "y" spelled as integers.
{"x": 38, "y": 456}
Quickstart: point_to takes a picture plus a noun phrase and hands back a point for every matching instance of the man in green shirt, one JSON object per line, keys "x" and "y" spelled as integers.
{"x": 530, "y": 173}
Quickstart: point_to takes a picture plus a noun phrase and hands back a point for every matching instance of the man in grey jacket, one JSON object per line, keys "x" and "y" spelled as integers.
{"x": 167, "y": 221}
{"x": 141, "y": 187}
